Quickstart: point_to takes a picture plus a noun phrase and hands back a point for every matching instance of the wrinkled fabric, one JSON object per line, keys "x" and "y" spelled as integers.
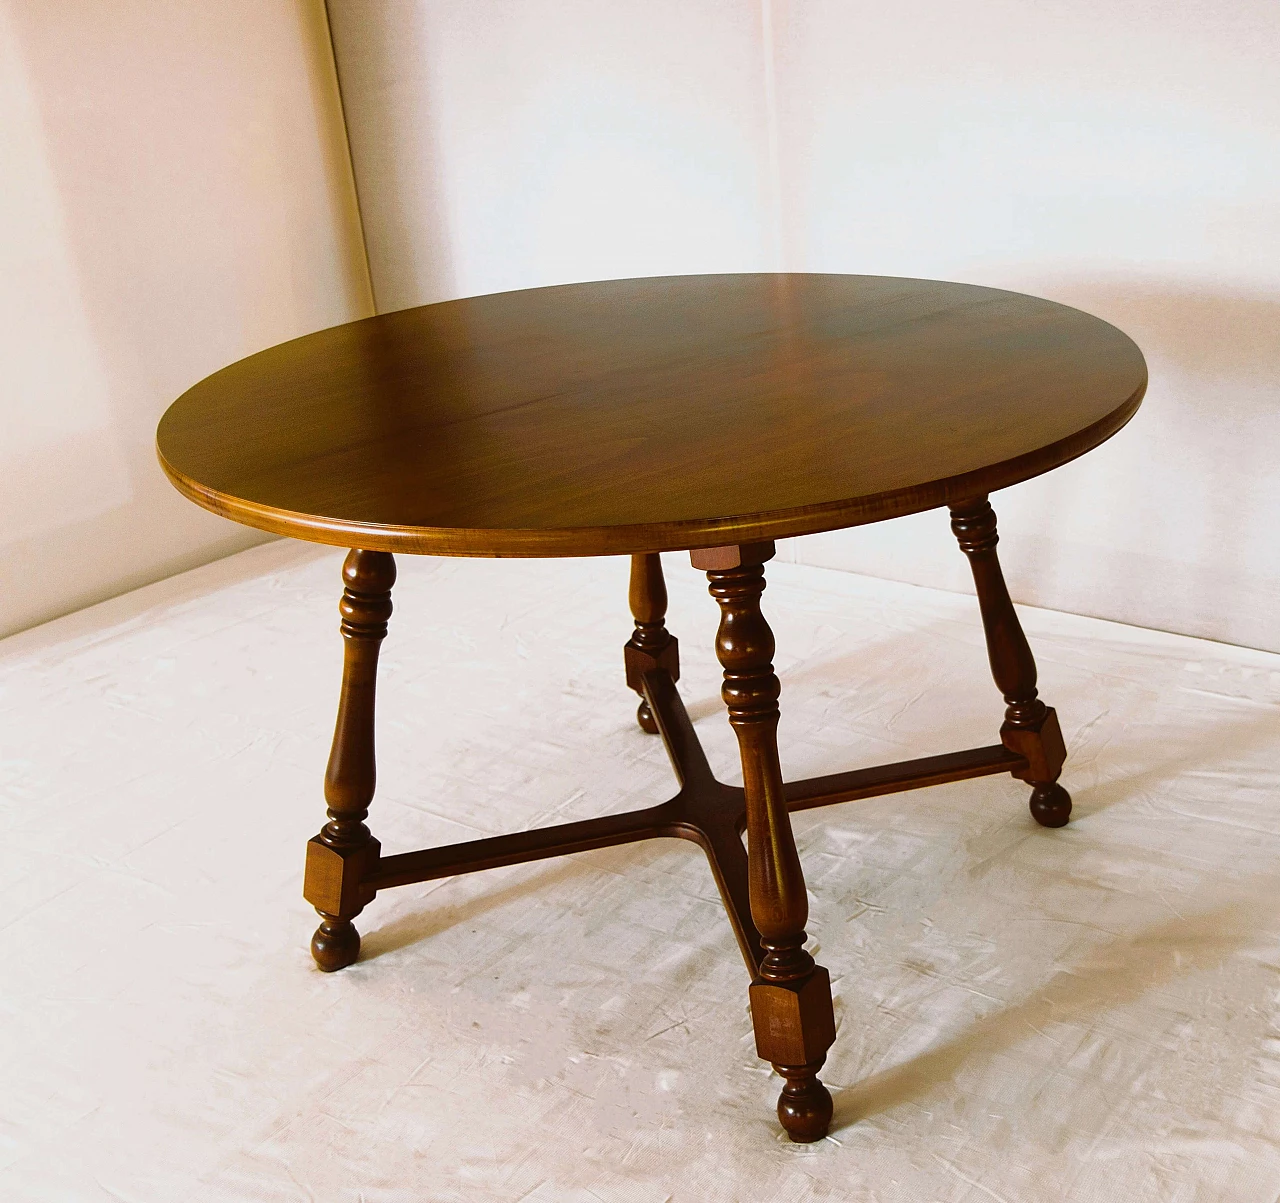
{"x": 1086, "y": 1014}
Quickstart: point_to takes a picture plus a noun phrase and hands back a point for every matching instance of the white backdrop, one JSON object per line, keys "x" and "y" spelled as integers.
{"x": 504, "y": 145}
{"x": 1118, "y": 156}
{"x": 175, "y": 193}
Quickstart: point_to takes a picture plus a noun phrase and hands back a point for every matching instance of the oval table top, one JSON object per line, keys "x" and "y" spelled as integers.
{"x": 649, "y": 415}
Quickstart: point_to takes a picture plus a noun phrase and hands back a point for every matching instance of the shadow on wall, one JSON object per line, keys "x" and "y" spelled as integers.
{"x": 176, "y": 216}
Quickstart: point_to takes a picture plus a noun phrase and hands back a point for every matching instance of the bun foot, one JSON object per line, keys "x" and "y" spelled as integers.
{"x": 804, "y": 1107}
{"x": 1050, "y": 805}
{"x": 336, "y": 944}
{"x": 644, "y": 716}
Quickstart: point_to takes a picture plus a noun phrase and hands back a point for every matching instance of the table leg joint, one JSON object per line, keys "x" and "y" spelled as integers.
{"x": 705, "y": 811}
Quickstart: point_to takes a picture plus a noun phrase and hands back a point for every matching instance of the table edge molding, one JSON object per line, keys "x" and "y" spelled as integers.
{"x": 682, "y": 535}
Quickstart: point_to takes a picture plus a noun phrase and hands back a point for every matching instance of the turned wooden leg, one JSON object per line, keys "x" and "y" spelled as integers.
{"x": 1030, "y": 727}
{"x": 342, "y": 857}
{"x": 651, "y": 645}
{"x": 791, "y": 997}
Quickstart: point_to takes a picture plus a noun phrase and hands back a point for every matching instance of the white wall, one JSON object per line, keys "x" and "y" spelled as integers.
{"x": 1118, "y": 155}
{"x": 175, "y": 193}
{"x": 503, "y": 145}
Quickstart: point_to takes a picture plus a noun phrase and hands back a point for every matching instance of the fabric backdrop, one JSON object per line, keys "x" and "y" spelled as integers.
{"x": 1032, "y": 1016}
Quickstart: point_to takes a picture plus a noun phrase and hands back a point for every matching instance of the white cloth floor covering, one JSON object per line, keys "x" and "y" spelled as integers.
{"x": 1024, "y": 1015}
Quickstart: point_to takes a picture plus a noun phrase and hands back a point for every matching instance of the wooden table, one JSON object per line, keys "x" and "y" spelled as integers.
{"x": 709, "y": 414}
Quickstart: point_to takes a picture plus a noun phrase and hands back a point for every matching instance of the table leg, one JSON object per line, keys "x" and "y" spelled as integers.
{"x": 1030, "y": 727}
{"x": 345, "y": 853}
{"x": 791, "y": 996}
{"x": 651, "y": 645}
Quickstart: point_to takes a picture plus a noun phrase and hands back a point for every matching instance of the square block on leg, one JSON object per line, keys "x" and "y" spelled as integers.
{"x": 1042, "y": 745}
{"x": 332, "y": 882}
{"x": 794, "y": 1021}
{"x": 731, "y": 555}
{"x": 639, "y": 661}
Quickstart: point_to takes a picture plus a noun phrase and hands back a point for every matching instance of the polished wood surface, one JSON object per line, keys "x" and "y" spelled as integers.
{"x": 633, "y": 416}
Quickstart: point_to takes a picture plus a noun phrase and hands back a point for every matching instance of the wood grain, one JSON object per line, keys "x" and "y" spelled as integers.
{"x": 630, "y": 416}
